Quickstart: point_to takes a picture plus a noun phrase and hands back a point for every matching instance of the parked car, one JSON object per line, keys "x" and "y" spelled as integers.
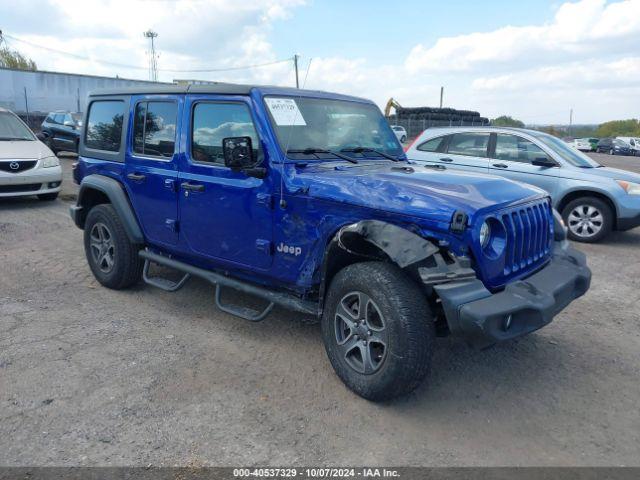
{"x": 305, "y": 199}
{"x": 594, "y": 143}
{"x": 61, "y": 131}
{"x": 27, "y": 166}
{"x": 613, "y": 146}
{"x": 401, "y": 133}
{"x": 582, "y": 144}
{"x": 592, "y": 199}
{"x": 632, "y": 142}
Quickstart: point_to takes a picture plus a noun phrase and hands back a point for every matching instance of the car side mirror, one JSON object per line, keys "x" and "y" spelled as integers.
{"x": 238, "y": 156}
{"x": 544, "y": 162}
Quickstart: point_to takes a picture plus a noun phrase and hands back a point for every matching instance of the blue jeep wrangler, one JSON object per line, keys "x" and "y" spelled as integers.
{"x": 306, "y": 200}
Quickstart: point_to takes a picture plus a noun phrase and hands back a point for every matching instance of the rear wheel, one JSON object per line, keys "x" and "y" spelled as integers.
{"x": 112, "y": 257}
{"x": 378, "y": 330}
{"x": 588, "y": 219}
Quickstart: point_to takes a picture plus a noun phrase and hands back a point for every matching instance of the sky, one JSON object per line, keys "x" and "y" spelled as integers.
{"x": 533, "y": 60}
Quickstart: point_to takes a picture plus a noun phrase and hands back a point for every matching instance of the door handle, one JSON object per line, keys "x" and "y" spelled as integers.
{"x": 194, "y": 187}
{"x": 446, "y": 159}
{"x": 136, "y": 177}
{"x": 500, "y": 165}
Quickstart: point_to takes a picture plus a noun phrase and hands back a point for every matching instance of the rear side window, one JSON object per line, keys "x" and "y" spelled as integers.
{"x": 517, "y": 149}
{"x": 433, "y": 145}
{"x": 213, "y": 122}
{"x": 104, "y": 125}
{"x": 470, "y": 144}
{"x": 154, "y": 129}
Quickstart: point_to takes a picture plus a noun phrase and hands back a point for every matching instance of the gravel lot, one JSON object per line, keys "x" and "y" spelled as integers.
{"x": 96, "y": 377}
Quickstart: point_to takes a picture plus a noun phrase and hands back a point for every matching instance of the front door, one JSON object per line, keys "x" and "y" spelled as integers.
{"x": 224, "y": 215}
{"x": 512, "y": 157}
{"x": 151, "y": 172}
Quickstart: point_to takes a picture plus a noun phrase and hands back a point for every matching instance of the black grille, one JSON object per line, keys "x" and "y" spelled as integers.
{"x": 16, "y": 166}
{"x": 528, "y": 235}
{"x": 27, "y": 187}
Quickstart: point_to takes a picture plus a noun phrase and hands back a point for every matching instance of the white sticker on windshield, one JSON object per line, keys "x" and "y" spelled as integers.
{"x": 285, "y": 112}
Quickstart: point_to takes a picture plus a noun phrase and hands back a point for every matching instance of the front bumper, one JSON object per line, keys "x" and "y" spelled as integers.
{"x": 35, "y": 181}
{"x": 483, "y": 318}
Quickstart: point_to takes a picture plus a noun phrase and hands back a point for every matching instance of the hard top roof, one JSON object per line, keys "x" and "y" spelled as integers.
{"x": 219, "y": 89}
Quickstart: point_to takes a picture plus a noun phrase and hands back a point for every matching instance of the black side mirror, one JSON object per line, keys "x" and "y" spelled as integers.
{"x": 238, "y": 153}
{"x": 545, "y": 162}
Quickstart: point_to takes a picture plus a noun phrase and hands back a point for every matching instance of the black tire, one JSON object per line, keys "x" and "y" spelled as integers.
{"x": 48, "y": 197}
{"x": 126, "y": 265}
{"x": 408, "y": 328}
{"x": 606, "y": 224}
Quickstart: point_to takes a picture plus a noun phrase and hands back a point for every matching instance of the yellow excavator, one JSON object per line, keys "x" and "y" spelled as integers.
{"x": 391, "y": 104}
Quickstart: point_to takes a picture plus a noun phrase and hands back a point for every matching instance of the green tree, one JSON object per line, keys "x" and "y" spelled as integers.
{"x": 619, "y": 128}
{"x": 14, "y": 59}
{"x": 507, "y": 121}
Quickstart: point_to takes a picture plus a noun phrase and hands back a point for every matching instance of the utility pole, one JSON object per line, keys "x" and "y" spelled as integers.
{"x": 441, "y": 95}
{"x": 570, "y": 120}
{"x": 153, "y": 65}
{"x": 295, "y": 65}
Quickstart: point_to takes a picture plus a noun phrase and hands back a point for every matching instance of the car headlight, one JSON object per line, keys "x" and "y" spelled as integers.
{"x": 629, "y": 187}
{"x": 485, "y": 234}
{"x": 50, "y": 162}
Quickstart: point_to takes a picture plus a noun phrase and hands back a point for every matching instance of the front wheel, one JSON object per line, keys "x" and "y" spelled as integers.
{"x": 588, "y": 219}
{"x": 112, "y": 257}
{"x": 378, "y": 330}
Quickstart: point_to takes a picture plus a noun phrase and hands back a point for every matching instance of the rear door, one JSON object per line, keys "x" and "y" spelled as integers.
{"x": 467, "y": 151}
{"x": 225, "y": 215}
{"x": 151, "y": 173}
{"x": 511, "y": 157}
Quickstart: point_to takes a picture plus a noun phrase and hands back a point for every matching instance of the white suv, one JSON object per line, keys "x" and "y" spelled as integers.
{"x": 27, "y": 166}
{"x": 400, "y": 132}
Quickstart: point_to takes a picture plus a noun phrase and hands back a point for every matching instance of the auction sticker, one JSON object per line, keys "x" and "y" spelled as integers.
{"x": 285, "y": 112}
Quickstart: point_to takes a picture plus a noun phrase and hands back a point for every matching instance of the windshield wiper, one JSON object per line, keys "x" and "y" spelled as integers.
{"x": 373, "y": 150}
{"x": 312, "y": 151}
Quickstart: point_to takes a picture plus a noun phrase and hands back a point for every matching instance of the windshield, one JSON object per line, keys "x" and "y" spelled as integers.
{"x": 304, "y": 123}
{"x": 12, "y": 128}
{"x": 564, "y": 151}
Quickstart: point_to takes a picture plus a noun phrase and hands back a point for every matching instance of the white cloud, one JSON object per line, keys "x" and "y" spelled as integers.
{"x": 578, "y": 30}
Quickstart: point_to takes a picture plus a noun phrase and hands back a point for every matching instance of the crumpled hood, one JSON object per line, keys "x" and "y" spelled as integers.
{"x": 424, "y": 193}
{"x": 23, "y": 150}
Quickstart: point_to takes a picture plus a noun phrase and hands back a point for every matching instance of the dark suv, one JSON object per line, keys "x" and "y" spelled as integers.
{"x": 613, "y": 146}
{"x": 61, "y": 131}
{"x": 306, "y": 200}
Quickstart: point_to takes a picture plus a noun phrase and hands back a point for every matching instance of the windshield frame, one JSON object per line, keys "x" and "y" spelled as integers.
{"x": 326, "y": 157}
{"x": 564, "y": 152}
{"x": 29, "y": 134}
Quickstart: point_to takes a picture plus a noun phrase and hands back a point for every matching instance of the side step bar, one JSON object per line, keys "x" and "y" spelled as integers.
{"x": 288, "y": 301}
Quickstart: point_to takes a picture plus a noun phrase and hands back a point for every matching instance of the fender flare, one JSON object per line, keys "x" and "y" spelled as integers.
{"x": 118, "y": 198}
{"x": 398, "y": 244}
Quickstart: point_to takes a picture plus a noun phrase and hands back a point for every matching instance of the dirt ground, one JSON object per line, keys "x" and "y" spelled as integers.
{"x": 90, "y": 376}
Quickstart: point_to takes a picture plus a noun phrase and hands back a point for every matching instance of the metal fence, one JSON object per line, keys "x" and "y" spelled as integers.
{"x": 415, "y": 126}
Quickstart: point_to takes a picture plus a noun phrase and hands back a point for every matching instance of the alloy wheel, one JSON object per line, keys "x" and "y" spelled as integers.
{"x": 361, "y": 333}
{"x": 585, "y": 221}
{"x": 102, "y": 247}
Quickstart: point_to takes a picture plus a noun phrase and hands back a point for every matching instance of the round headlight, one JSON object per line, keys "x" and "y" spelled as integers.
{"x": 485, "y": 234}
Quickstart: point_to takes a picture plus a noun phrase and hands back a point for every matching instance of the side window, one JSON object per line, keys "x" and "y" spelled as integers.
{"x": 433, "y": 145}
{"x": 58, "y": 118}
{"x": 213, "y": 122}
{"x": 104, "y": 125}
{"x": 517, "y": 149}
{"x": 470, "y": 144}
{"x": 154, "y": 129}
